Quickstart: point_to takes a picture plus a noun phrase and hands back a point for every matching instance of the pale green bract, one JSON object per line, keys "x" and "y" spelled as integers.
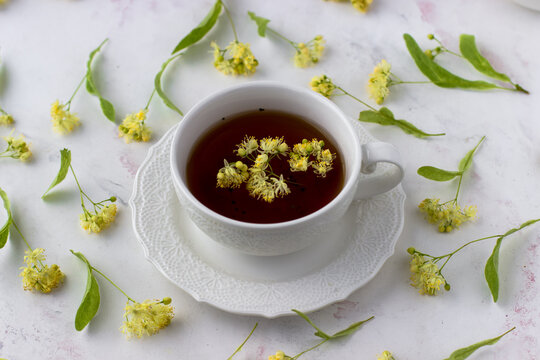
{"x": 491, "y": 270}
{"x": 465, "y": 352}
{"x": 262, "y": 23}
{"x": 65, "y": 162}
{"x": 190, "y": 39}
{"x": 106, "y": 106}
{"x": 91, "y": 298}
{"x": 4, "y": 231}
{"x": 386, "y": 118}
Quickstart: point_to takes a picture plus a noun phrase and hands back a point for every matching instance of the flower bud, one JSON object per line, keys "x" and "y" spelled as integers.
{"x": 166, "y": 300}
{"x": 113, "y": 198}
{"x": 431, "y": 36}
{"x": 447, "y": 287}
{"x": 241, "y": 152}
{"x": 411, "y": 250}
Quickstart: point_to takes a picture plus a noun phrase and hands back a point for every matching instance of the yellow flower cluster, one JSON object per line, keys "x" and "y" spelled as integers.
{"x": 95, "y": 222}
{"x": 260, "y": 180}
{"x": 301, "y": 153}
{"x": 133, "y": 127}
{"x": 447, "y": 216}
{"x": 37, "y": 276}
{"x": 6, "y": 119}
{"x": 17, "y": 148}
{"x": 280, "y": 355}
{"x": 362, "y": 5}
{"x": 425, "y": 275}
{"x": 63, "y": 121}
{"x": 232, "y": 175}
{"x": 241, "y": 61}
{"x": 386, "y": 355}
{"x": 309, "y": 54}
{"x": 323, "y": 85}
{"x": 146, "y": 318}
{"x": 379, "y": 80}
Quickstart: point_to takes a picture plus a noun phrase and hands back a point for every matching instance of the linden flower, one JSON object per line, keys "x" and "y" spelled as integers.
{"x": 309, "y": 54}
{"x": 247, "y": 146}
{"x": 280, "y": 187}
{"x": 273, "y": 146}
{"x": 17, "y": 148}
{"x": 447, "y": 216}
{"x": 6, "y": 119}
{"x": 386, "y": 355}
{"x": 323, "y": 85}
{"x": 280, "y": 355}
{"x": 379, "y": 80}
{"x": 425, "y": 275}
{"x": 63, "y": 121}
{"x": 146, "y": 318}
{"x": 298, "y": 163}
{"x": 133, "y": 127}
{"x": 362, "y": 5}
{"x": 95, "y": 222}
{"x": 232, "y": 175}
{"x": 241, "y": 61}
{"x": 37, "y": 276}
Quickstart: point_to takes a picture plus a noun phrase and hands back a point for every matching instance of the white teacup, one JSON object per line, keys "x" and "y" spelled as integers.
{"x": 289, "y": 236}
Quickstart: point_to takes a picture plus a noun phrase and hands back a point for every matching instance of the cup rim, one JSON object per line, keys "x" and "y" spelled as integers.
{"x": 345, "y": 190}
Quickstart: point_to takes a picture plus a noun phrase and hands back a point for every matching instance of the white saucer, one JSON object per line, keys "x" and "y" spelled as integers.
{"x": 252, "y": 285}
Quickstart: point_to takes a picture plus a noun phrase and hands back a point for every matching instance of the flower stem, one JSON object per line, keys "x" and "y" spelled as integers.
{"x": 448, "y": 256}
{"x": 292, "y": 43}
{"x": 81, "y": 192}
{"x": 355, "y": 98}
{"x": 149, "y": 100}
{"x": 311, "y": 348}
{"x": 21, "y": 235}
{"x": 76, "y": 90}
{"x": 242, "y": 344}
{"x": 109, "y": 280}
{"x": 230, "y": 20}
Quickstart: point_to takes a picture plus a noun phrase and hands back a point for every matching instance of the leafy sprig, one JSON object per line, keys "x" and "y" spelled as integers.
{"x": 383, "y": 116}
{"x": 306, "y": 54}
{"x": 101, "y": 214}
{"x": 428, "y": 277}
{"x": 448, "y": 215}
{"x": 145, "y": 318}
{"x": 442, "y": 77}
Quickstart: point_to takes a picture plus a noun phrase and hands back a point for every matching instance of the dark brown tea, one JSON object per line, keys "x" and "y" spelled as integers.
{"x": 309, "y": 192}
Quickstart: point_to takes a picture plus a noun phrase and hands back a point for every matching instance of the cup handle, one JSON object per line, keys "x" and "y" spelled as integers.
{"x": 373, "y": 153}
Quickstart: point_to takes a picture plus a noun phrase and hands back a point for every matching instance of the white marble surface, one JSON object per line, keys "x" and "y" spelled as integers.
{"x": 44, "y": 46}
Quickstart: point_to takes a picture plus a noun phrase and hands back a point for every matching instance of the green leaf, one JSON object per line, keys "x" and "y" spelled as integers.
{"x": 261, "y": 22}
{"x": 90, "y": 302}
{"x": 466, "y": 162}
{"x": 159, "y": 88}
{"x": 319, "y": 332}
{"x": 350, "y": 329}
{"x": 467, "y": 46}
{"x": 464, "y": 353}
{"x": 491, "y": 270}
{"x": 386, "y": 118}
{"x": 106, "y": 107}
{"x": 202, "y": 29}
{"x": 439, "y": 75}
{"x": 433, "y": 173}
{"x": 65, "y": 162}
{"x": 4, "y": 231}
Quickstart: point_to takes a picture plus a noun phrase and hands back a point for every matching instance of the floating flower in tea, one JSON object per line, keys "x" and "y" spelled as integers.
{"x": 261, "y": 181}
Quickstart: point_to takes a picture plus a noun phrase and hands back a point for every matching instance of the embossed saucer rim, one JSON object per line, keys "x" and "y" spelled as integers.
{"x": 249, "y": 310}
